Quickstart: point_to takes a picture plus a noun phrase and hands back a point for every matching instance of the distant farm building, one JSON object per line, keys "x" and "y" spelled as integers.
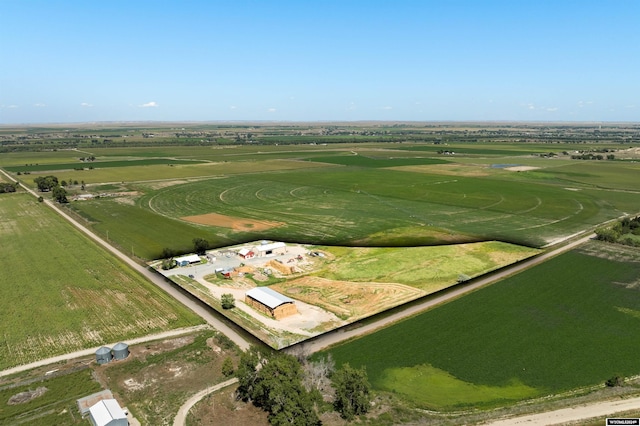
{"x": 270, "y": 302}
{"x": 188, "y": 260}
{"x": 107, "y": 413}
{"x": 246, "y": 253}
{"x": 271, "y": 249}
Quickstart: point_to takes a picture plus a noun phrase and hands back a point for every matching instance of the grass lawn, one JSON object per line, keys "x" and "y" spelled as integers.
{"x": 59, "y": 292}
{"x": 571, "y": 322}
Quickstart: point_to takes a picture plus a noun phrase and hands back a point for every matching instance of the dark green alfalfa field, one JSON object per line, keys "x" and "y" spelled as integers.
{"x": 571, "y": 322}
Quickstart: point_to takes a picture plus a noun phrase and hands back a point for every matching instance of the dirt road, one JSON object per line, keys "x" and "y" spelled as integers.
{"x": 156, "y": 279}
{"x": 181, "y": 417}
{"x": 574, "y": 414}
{"x": 91, "y": 351}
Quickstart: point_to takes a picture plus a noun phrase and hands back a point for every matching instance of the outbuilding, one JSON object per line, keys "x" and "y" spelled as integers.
{"x": 246, "y": 253}
{"x": 107, "y": 413}
{"x": 271, "y": 249}
{"x": 188, "y": 260}
{"x": 270, "y": 302}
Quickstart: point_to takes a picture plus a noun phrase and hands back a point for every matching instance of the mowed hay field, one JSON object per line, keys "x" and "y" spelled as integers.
{"x": 59, "y": 292}
{"x": 571, "y": 322}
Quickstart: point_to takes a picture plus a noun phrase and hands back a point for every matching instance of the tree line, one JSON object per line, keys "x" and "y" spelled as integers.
{"x": 624, "y": 231}
{"x": 294, "y": 390}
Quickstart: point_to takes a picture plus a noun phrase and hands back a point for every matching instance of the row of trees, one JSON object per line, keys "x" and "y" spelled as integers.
{"x": 624, "y": 231}
{"x": 294, "y": 390}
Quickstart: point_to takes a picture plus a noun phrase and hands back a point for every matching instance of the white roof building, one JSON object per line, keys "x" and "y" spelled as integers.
{"x": 107, "y": 413}
{"x": 268, "y": 297}
{"x": 192, "y": 258}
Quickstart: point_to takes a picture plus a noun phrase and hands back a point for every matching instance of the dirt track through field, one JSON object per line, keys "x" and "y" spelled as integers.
{"x": 91, "y": 351}
{"x": 573, "y": 414}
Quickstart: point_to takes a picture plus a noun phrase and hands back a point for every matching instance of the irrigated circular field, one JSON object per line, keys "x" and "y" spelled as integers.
{"x": 349, "y": 206}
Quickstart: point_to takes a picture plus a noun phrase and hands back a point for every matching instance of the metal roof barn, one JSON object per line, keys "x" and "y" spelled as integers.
{"x": 268, "y": 297}
{"x": 108, "y": 413}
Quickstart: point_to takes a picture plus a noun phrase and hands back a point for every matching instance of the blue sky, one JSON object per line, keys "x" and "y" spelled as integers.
{"x": 79, "y": 61}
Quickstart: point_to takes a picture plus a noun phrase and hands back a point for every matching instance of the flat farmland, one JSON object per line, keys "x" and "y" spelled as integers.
{"x": 359, "y": 281}
{"x": 353, "y": 206}
{"x": 568, "y": 323}
{"x": 59, "y": 292}
{"x": 168, "y": 172}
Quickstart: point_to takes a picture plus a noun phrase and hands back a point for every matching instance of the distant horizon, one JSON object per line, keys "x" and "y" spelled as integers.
{"x": 329, "y": 61}
{"x": 320, "y": 122}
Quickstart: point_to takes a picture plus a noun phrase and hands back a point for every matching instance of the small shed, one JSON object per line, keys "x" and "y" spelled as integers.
{"x": 103, "y": 355}
{"x": 271, "y": 249}
{"x": 108, "y": 413}
{"x": 188, "y": 260}
{"x": 228, "y": 273}
{"x": 120, "y": 351}
{"x": 246, "y": 253}
{"x": 270, "y": 302}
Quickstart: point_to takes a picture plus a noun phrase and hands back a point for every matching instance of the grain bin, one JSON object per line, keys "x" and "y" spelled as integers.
{"x": 120, "y": 351}
{"x": 103, "y": 355}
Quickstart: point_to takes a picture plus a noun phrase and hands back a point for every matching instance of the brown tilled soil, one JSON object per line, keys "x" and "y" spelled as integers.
{"x": 235, "y": 223}
{"x": 344, "y": 298}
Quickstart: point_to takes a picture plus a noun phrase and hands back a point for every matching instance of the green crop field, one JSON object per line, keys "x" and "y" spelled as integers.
{"x": 60, "y": 292}
{"x": 571, "y": 322}
{"x": 98, "y": 164}
{"x": 57, "y": 406}
{"x": 387, "y": 197}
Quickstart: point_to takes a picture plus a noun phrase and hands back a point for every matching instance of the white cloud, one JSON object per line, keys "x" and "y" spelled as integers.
{"x": 271, "y": 110}
{"x": 10, "y": 106}
{"x": 86, "y": 105}
{"x": 552, "y": 109}
{"x": 39, "y": 105}
{"x": 387, "y": 107}
{"x": 233, "y": 107}
{"x": 149, "y": 105}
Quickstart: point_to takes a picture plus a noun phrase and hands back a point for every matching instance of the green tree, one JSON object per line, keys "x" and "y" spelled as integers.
{"x": 60, "y": 194}
{"x": 200, "y": 245}
{"x": 227, "y": 367}
{"x": 274, "y": 383}
{"x": 228, "y": 301}
{"x": 353, "y": 391}
{"x": 169, "y": 263}
{"x": 46, "y": 183}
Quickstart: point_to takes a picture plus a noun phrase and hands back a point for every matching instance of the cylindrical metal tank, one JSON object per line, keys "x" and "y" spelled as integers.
{"x": 103, "y": 355}
{"x": 120, "y": 350}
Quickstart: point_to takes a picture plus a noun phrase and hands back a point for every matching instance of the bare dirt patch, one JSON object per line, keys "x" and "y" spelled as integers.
{"x": 521, "y": 168}
{"x": 348, "y": 299}
{"x": 471, "y": 170}
{"x": 24, "y": 397}
{"x": 235, "y": 223}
